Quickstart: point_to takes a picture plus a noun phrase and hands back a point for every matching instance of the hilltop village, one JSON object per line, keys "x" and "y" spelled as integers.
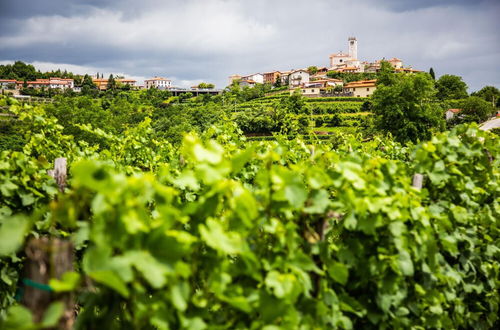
{"x": 313, "y": 81}
{"x": 318, "y": 81}
{"x": 56, "y": 84}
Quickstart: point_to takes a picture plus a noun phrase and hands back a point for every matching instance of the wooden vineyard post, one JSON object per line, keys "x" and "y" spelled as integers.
{"x": 418, "y": 181}
{"x": 59, "y": 173}
{"x": 48, "y": 258}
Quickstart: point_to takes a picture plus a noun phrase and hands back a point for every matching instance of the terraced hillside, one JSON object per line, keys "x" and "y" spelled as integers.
{"x": 327, "y": 114}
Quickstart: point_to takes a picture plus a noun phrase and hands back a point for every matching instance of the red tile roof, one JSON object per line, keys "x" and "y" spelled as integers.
{"x": 157, "y": 78}
{"x": 361, "y": 83}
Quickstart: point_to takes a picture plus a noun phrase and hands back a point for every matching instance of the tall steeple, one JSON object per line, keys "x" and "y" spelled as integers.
{"x": 353, "y": 48}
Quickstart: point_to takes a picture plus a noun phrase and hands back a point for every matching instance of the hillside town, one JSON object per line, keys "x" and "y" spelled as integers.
{"x": 311, "y": 82}
{"x": 102, "y": 84}
{"x": 316, "y": 82}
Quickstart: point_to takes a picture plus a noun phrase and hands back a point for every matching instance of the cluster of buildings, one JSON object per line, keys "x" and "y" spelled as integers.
{"x": 101, "y": 83}
{"x": 156, "y": 82}
{"x": 53, "y": 83}
{"x": 318, "y": 83}
{"x": 349, "y": 62}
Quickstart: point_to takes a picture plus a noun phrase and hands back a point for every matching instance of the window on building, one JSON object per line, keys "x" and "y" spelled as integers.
{"x": 368, "y": 89}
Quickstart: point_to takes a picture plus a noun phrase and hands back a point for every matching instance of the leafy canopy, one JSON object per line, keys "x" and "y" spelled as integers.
{"x": 451, "y": 87}
{"x": 404, "y": 105}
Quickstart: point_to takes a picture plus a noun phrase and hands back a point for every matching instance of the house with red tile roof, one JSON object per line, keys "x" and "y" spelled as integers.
{"x": 361, "y": 88}
{"x": 158, "y": 82}
{"x": 450, "y": 113}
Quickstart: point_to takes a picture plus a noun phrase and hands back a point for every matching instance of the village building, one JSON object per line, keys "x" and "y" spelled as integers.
{"x": 256, "y": 77}
{"x": 61, "y": 83}
{"x": 247, "y": 83}
{"x": 350, "y": 60}
{"x": 317, "y": 88}
{"x": 407, "y": 70}
{"x": 324, "y": 83}
{"x": 323, "y": 69}
{"x": 362, "y": 88}
{"x": 101, "y": 83}
{"x": 371, "y": 67}
{"x": 233, "y": 78}
{"x": 129, "y": 82}
{"x": 158, "y": 83}
{"x": 396, "y": 63}
{"x": 52, "y": 83}
{"x": 309, "y": 91}
{"x": 298, "y": 78}
{"x": 7, "y": 83}
{"x": 271, "y": 77}
{"x": 450, "y": 113}
{"x": 285, "y": 75}
{"x": 320, "y": 74}
{"x": 349, "y": 69}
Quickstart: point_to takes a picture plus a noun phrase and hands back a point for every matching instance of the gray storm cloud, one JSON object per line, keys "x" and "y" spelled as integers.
{"x": 208, "y": 40}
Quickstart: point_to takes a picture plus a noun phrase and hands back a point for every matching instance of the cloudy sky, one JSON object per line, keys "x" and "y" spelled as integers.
{"x": 207, "y": 40}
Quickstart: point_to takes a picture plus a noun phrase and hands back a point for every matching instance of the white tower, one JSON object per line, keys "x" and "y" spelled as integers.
{"x": 353, "y": 48}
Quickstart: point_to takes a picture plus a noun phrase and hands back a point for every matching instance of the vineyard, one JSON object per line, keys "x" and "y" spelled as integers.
{"x": 220, "y": 232}
{"x": 325, "y": 115}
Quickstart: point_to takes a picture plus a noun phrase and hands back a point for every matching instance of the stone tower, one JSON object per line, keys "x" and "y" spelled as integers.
{"x": 353, "y": 48}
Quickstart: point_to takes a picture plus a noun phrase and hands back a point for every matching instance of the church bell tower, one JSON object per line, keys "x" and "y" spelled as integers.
{"x": 353, "y": 48}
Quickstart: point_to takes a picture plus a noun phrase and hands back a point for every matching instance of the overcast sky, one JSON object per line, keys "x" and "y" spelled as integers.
{"x": 207, "y": 40}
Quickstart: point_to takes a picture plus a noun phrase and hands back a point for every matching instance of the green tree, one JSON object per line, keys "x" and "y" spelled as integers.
{"x": 405, "y": 107}
{"x": 87, "y": 81}
{"x": 474, "y": 109}
{"x": 295, "y": 103}
{"x": 386, "y": 75}
{"x": 451, "y": 87}
{"x": 433, "y": 75}
{"x": 312, "y": 69}
{"x": 111, "y": 83}
{"x": 490, "y": 94}
{"x": 206, "y": 85}
{"x": 88, "y": 86}
{"x": 277, "y": 83}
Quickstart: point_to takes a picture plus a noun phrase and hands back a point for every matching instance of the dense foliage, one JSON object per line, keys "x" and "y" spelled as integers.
{"x": 451, "y": 87}
{"x": 473, "y": 109}
{"x": 225, "y": 233}
{"x": 347, "y": 77}
{"x": 405, "y": 106}
{"x": 22, "y": 71}
{"x": 490, "y": 94}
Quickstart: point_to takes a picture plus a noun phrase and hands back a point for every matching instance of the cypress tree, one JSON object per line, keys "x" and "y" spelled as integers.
{"x": 431, "y": 72}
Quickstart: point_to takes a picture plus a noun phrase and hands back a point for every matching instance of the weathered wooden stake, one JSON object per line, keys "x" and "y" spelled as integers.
{"x": 59, "y": 173}
{"x": 418, "y": 180}
{"x": 48, "y": 258}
